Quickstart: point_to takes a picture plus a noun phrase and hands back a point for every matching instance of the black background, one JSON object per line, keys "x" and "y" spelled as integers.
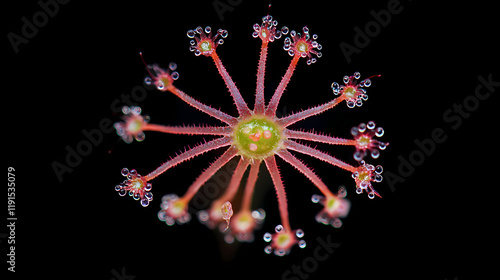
{"x": 434, "y": 225}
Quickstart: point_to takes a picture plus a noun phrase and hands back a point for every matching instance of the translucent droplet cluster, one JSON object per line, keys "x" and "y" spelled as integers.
{"x": 131, "y": 127}
{"x": 282, "y": 241}
{"x": 364, "y": 135}
{"x": 173, "y": 210}
{"x": 136, "y": 186}
{"x": 335, "y": 207}
{"x": 353, "y": 92}
{"x": 303, "y": 45}
{"x": 205, "y": 42}
{"x": 364, "y": 175}
{"x": 267, "y": 30}
{"x": 161, "y": 78}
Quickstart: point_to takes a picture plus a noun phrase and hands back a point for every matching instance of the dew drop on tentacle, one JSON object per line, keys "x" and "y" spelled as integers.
{"x": 175, "y": 75}
{"x": 284, "y": 30}
{"x": 315, "y": 198}
{"x": 278, "y": 228}
{"x": 370, "y": 125}
{"x": 379, "y": 132}
{"x": 362, "y": 127}
{"x": 336, "y": 223}
{"x": 267, "y": 237}
{"x": 144, "y": 202}
{"x": 268, "y": 249}
{"x": 342, "y": 192}
{"x": 140, "y": 136}
{"x": 124, "y": 172}
{"x": 366, "y": 83}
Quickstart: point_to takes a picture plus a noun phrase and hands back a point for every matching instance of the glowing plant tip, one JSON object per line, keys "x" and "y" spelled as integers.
{"x": 244, "y": 223}
{"x": 282, "y": 241}
{"x": 132, "y": 125}
{"x": 352, "y": 91}
{"x": 303, "y": 45}
{"x": 227, "y": 212}
{"x": 163, "y": 79}
{"x": 267, "y": 31}
{"x": 173, "y": 209}
{"x": 255, "y": 138}
{"x": 364, "y": 175}
{"x": 364, "y": 135}
{"x": 204, "y": 43}
{"x": 335, "y": 207}
{"x": 136, "y": 186}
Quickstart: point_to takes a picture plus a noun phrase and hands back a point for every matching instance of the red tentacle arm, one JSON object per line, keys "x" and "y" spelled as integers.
{"x": 209, "y": 172}
{"x": 294, "y": 146}
{"x": 261, "y": 70}
{"x": 250, "y": 185}
{"x": 304, "y": 169}
{"x": 202, "y": 107}
{"x": 273, "y": 104}
{"x": 241, "y": 105}
{"x": 190, "y": 130}
{"x": 310, "y": 136}
{"x": 280, "y": 191}
{"x": 291, "y": 119}
{"x": 187, "y": 155}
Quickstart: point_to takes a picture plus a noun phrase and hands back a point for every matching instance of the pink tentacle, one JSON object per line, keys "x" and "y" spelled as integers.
{"x": 280, "y": 191}
{"x": 294, "y": 146}
{"x": 300, "y": 166}
{"x": 187, "y": 155}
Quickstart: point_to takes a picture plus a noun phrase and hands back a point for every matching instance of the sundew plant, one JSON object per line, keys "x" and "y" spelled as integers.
{"x": 256, "y": 136}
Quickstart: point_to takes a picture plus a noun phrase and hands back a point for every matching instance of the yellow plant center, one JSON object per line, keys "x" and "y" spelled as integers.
{"x": 205, "y": 46}
{"x": 283, "y": 238}
{"x": 178, "y": 207}
{"x": 330, "y": 203}
{"x": 138, "y": 183}
{"x": 350, "y": 92}
{"x": 302, "y": 47}
{"x": 363, "y": 142}
{"x": 244, "y": 222}
{"x": 257, "y": 137}
{"x": 165, "y": 81}
{"x": 364, "y": 176}
{"x": 134, "y": 125}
